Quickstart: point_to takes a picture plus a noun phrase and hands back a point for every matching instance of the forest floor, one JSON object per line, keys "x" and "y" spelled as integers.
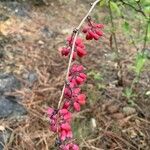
{"x": 30, "y": 37}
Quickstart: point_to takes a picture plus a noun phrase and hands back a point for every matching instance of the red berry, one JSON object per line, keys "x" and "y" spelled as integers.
{"x": 81, "y": 99}
{"x": 81, "y": 52}
{"x": 89, "y": 37}
{"x": 100, "y": 33}
{"x": 76, "y": 106}
{"x": 96, "y": 36}
{"x": 79, "y": 80}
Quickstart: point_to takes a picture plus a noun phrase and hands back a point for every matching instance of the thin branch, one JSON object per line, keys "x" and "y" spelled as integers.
{"x": 73, "y": 47}
{"x": 138, "y": 10}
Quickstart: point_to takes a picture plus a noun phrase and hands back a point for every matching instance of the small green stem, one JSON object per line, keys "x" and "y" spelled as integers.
{"x": 146, "y": 35}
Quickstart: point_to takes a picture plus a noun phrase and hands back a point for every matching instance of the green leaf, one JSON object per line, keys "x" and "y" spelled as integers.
{"x": 128, "y": 93}
{"x": 140, "y": 62}
{"x": 102, "y": 3}
{"x": 126, "y": 27}
{"x": 97, "y": 77}
{"x": 147, "y": 10}
{"x": 145, "y": 2}
{"x": 115, "y": 8}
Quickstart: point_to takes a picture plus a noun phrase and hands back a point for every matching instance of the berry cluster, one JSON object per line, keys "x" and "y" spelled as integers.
{"x": 63, "y": 126}
{"x": 73, "y": 98}
{"x": 79, "y": 51}
{"x": 93, "y": 30}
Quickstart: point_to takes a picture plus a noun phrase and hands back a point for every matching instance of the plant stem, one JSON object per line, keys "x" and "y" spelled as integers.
{"x": 133, "y": 42}
{"x": 113, "y": 32}
{"x": 115, "y": 42}
{"x": 73, "y": 47}
{"x": 146, "y": 34}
